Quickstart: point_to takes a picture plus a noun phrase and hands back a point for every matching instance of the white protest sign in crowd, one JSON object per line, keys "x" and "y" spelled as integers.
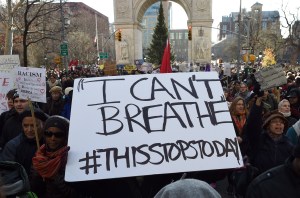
{"x": 271, "y": 76}
{"x": 137, "y": 125}
{"x": 31, "y": 83}
{"x": 227, "y": 69}
{"x": 7, "y": 63}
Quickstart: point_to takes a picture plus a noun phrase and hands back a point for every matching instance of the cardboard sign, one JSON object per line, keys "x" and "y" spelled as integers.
{"x": 31, "y": 83}
{"x": 7, "y": 63}
{"x": 271, "y": 76}
{"x": 124, "y": 126}
{"x": 227, "y": 69}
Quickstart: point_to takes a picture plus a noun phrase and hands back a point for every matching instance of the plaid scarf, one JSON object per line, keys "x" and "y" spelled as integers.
{"x": 47, "y": 164}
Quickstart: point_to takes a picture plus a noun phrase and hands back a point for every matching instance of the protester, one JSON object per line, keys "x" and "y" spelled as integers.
{"x": 239, "y": 113}
{"x": 66, "y": 112}
{"x": 268, "y": 146}
{"x": 13, "y": 125}
{"x": 10, "y": 104}
{"x": 243, "y": 91}
{"x": 293, "y": 132}
{"x": 47, "y": 176}
{"x": 190, "y": 188}
{"x": 55, "y": 103}
{"x": 294, "y": 99}
{"x": 269, "y": 101}
{"x": 285, "y": 109}
{"x": 22, "y": 148}
{"x": 279, "y": 182}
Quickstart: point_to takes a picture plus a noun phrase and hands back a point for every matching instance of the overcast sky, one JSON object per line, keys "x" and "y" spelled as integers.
{"x": 219, "y": 8}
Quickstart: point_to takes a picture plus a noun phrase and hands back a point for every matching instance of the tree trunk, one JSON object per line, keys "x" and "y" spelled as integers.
{"x": 8, "y": 31}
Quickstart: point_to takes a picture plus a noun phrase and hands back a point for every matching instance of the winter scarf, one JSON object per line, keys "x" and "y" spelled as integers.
{"x": 47, "y": 164}
{"x": 239, "y": 120}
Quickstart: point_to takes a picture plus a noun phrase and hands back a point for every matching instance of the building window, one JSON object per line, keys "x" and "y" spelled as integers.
{"x": 172, "y": 35}
{"x": 180, "y": 36}
{"x": 224, "y": 29}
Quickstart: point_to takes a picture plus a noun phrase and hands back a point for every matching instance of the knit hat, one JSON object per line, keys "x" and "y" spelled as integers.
{"x": 191, "y": 188}
{"x": 67, "y": 90}
{"x": 37, "y": 113}
{"x": 56, "y": 89}
{"x": 59, "y": 122}
{"x": 16, "y": 95}
{"x": 272, "y": 115}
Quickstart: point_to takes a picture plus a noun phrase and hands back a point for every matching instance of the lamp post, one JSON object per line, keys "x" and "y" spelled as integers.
{"x": 63, "y": 36}
{"x": 239, "y": 42}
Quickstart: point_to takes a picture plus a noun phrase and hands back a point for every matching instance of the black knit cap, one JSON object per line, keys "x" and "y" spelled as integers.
{"x": 38, "y": 113}
{"x": 58, "y": 122}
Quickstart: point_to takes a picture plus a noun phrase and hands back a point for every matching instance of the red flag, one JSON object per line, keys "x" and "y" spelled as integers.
{"x": 165, "y": 63}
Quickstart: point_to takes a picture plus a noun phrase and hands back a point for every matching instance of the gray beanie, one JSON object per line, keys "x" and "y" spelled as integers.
{"x": 191, "y": 188}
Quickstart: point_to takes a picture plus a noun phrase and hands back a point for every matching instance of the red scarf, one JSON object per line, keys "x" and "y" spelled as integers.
{"x": 239, "y": 121}
{"x": 47, "y": 163}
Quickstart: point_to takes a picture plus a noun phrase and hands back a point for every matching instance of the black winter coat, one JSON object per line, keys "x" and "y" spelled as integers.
{"x": 264, "y": 152}
{"x": 279, "y": 182}
{"x": 11, "y": 129}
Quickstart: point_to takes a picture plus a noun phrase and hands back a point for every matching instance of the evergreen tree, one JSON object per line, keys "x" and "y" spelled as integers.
{"x": 159, "y": 39}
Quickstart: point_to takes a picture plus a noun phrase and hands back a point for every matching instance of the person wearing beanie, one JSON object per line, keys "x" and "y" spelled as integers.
{"x": 13, "y": 126}
{"x": 268, "y": 147}
{"x": 293, "y": 133}
{"x": 279, "y": 182}
{"x": 191, "y": 188}
{"x": 294, "y": 98}
{"x": 285, "y": 109}
{"x": 49, "y": 162}
{"x": 55, "y": 102}
{"x": 22, "y": 148}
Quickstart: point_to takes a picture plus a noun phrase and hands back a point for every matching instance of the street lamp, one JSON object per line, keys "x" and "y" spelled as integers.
{"x": 239, "y": 43}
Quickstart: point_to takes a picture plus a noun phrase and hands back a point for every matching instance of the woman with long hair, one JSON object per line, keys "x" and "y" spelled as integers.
{"x": 239, "y": 113}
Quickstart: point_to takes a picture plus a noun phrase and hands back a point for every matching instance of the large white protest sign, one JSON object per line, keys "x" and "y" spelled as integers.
{"x": 149, "y": 124}
{"x": 7, "y": 63}
{"x": 271, "y": 76}
{"x": 31, "y": 83}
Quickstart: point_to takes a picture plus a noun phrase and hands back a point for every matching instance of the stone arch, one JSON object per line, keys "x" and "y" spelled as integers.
{"x": 129, "y": 15}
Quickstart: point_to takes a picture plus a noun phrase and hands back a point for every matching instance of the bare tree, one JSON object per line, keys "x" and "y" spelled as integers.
{"x": 40, "y": 22}
{"x": 292, "y": 24}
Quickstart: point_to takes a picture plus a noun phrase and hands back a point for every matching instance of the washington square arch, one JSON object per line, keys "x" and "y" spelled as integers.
{"x": 128, "y": 18}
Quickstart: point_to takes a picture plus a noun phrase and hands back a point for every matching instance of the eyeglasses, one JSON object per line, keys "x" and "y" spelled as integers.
{"x": 57, "y": 134}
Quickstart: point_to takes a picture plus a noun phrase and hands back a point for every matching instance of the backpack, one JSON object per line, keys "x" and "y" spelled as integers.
{"x": 14, "y": 180}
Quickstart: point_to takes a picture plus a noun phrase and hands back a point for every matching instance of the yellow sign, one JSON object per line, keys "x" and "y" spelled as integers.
{"x": 101, "y": 67}
{"x": 129, "y": 68}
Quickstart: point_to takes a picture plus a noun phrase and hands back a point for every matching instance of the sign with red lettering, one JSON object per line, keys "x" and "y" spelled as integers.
{"x": 7, "y": 63}
{"x": 149, "y": 124}
{"x": 31, "y": 83}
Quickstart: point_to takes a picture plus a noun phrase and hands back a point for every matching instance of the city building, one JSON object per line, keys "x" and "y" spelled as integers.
{"x": 179, "y": 44}
{"x": 256, "y": 20}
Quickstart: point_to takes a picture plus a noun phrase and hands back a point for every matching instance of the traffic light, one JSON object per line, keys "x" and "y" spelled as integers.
{"x": 119, "y": 35}
{"x": 190, "y": 33}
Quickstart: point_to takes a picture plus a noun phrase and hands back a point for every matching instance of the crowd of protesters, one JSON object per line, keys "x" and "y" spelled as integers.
{"x": 266, "y": 124}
